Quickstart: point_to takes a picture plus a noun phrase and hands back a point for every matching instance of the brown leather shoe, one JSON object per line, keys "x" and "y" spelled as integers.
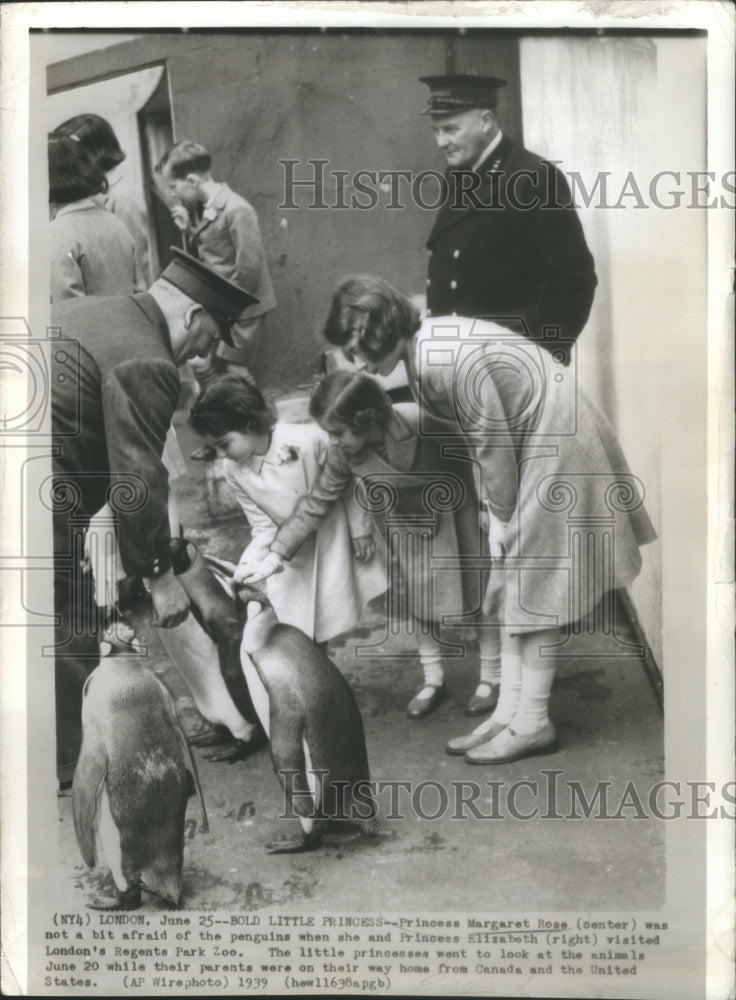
{"x": 481, "y": 704}
{"x": 514, "y": 746}
{"x": 419, "y": 707}
{"x": 460, "y": 744}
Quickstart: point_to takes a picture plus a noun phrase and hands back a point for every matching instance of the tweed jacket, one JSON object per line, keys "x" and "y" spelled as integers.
{"x": 92, "y": 253}
{"x": 228, "y": 239}
{"x": 500, "y": 249}
{"x": 551, "y": 468}
{"x": 115, "y": 389}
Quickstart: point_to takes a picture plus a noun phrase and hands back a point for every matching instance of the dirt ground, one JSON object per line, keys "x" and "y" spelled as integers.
{"x": 610, "y": 729}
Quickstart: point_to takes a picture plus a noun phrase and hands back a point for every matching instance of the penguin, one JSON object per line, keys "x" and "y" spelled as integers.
{"x": 315, "y": 730}
{"x": 130, "y": 789}
{"x": 206, "y": 650}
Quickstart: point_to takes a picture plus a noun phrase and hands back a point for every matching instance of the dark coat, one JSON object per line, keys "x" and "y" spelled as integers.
{"x": 525, "y": 268}
{"x": 115, "y": 388}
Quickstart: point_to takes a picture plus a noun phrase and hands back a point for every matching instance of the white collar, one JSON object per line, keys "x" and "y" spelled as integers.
{"x": 77, "y": 206}
{"x": 217, "y": 198}
{"x": 489, "y": 149}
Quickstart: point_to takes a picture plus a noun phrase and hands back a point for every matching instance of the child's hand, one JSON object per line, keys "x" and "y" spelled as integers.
{"x": 180, "y": 217}
{"x": 259, "y": 571}
{"x": 363, "y": 548}
{"x": 497, "y": 532}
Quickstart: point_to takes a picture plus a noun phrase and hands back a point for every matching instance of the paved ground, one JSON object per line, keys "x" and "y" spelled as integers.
{"x": 610, "y": 728}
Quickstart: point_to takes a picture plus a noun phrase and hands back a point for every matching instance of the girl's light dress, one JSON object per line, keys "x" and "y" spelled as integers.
{"x": 323, "y": 589}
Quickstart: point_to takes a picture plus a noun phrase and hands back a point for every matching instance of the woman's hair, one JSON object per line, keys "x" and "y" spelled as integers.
{"x": 230, "y": 404}
{"x": 351, "y": 398}
{"x": 72, "y": 175}
{"x": 96, "y": 137}
{"x": 184, "y": 158}
{"x": 377, "y": 312}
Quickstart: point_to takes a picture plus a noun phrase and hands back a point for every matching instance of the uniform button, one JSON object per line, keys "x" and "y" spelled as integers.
{"x": 429, "y": 312}
{"x": 428, "y": 282}
{"x": 455, "y": 254}
{"x": 429, "y": 253}
{"x": 453, "y": 284}
{"x": 454, "y": 314}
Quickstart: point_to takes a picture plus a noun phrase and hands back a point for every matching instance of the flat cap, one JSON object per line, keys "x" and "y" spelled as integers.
{"x": 222, "y": 299}
{"x": 459, "y": 92}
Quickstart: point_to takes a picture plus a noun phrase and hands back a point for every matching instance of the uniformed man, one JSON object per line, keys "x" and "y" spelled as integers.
{"x": 115, "y": 388}
{"x": 507, "y": 244}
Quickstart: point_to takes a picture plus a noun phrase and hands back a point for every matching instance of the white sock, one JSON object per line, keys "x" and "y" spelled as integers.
{"x": 489, "y": 640}
{"x": 430, "y": 658}
{"x": 511, "y": 670}
{"x": 536, "y": 684}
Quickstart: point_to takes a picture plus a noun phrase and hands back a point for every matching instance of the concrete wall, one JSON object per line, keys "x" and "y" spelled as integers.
{"x": 606, "y": 104}
{"x": 255, "y": 99}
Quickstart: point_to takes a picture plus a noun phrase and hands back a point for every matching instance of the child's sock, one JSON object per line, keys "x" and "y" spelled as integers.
{"x": 430, "y": 658}
{"x": 511, "y": 671}
{"x": 489, "y": 640}
{"x": 538, "y": 673}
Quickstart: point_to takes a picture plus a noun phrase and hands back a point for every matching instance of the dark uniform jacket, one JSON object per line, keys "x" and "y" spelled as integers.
{"x": 490, "y": 257}
{"x": 115, "y": 388}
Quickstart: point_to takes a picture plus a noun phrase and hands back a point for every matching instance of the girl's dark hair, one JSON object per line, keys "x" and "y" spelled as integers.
{"x": 96, "y": 137}
{"x": 230, "y": 404}
{"x": 72, "y": 175}
{"x": 377, "y": 312}
{"x": 352, "y": 398}
{"x": 184, "y": 158}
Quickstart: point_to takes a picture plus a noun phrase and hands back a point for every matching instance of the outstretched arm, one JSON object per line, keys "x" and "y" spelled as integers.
{"x": 314, "y": 506}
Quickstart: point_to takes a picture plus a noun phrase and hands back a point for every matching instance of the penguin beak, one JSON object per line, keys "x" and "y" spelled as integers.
{"x": 253, "y": 608}
{"x": 247, "y": 592}
{"x": 246, "y": 597}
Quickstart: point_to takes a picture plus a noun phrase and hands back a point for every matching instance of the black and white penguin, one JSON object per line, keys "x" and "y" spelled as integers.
{"x": 205, "y": 649}
{"x": 315, "y": 730}
{"x": 130, "y": 792}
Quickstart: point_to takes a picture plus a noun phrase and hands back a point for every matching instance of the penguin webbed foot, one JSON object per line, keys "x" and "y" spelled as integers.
{"x": 214, "y": 736}
{"x": 128, "y": 899}
{"x": 308, "y": 842}
{"x": 237, "y": 749}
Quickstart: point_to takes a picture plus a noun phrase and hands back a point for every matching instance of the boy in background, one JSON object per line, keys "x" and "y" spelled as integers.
{"x": 224, "y": 229}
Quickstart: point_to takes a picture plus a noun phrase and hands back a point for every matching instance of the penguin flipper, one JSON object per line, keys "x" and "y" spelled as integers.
{"x": 170, "y": 708}
{"x": 89, "y": 780}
